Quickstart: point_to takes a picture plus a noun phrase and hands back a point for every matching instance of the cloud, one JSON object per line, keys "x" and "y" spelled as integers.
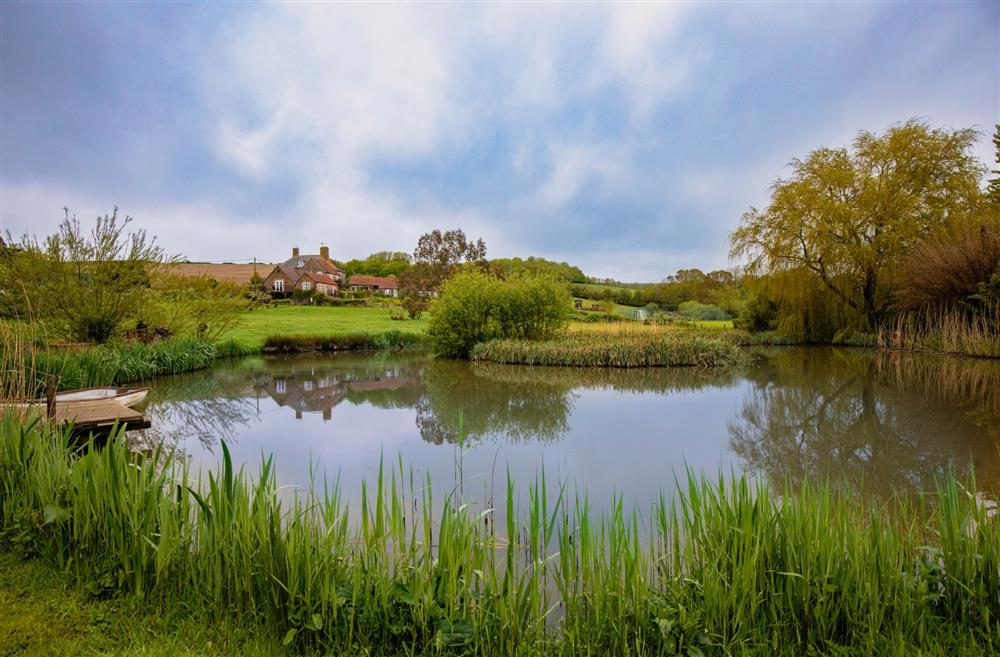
{"x": 627, "y": 138}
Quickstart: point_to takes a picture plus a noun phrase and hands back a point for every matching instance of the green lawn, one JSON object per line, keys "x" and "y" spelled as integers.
{"x": 256, "y": 326}
{"x": 44, "y": 615}
{"x": 712, "y": 323}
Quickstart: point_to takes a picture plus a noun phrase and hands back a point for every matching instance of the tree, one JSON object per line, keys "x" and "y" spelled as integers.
{"x": 993, "y": 189}
{"x": 448, "y": 249}
{"x": 846, "y": 216}
{"x": 437, "y": 256}
{"x": 83, "y": 286}
{"x": 383, "y": 263}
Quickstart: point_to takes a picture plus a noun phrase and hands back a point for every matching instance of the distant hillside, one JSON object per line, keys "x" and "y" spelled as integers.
{"x": 224, "y": 273}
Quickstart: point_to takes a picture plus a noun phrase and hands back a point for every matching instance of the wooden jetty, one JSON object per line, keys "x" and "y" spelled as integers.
{"x": 96, "y": 416}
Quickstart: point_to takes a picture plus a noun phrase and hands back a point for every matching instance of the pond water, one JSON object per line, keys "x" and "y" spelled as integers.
{"x": 873, "y": 420}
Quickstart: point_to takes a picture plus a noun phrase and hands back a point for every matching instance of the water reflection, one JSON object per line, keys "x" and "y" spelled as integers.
{"x": 888, "y": 420}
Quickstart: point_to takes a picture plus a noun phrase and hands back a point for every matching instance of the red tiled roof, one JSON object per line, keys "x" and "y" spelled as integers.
{"x": 381, "y": 282}
{"x": 321, "y": 278}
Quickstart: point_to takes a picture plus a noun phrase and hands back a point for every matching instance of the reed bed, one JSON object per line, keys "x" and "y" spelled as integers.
{"x": 117, "y": 363}
{"x": 640, "y": 349}
{"x": 945, "y": 331}
{"x": 344, "y": 342}
{"x": 723, "y": 568}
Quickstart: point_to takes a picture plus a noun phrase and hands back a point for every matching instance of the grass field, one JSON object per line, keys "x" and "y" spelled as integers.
{"x": 712, "y": 323}
{"x": 255, "y": 327}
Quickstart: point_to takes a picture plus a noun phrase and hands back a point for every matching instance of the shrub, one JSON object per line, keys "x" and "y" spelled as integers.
{"x": 475, "y": 306}
{"x": 702, "y": 311}
{"x": 954, "y": 268}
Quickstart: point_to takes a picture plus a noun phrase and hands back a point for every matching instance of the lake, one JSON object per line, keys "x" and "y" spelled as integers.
{"x": 878, "y": 421}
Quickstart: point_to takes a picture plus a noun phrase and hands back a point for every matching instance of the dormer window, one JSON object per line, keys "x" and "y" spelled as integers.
{"x": 299, "y": 264}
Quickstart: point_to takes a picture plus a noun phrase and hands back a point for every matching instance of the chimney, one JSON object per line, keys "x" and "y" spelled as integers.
{"x": 324, "y": 251}
{"x": 295, "y": 252}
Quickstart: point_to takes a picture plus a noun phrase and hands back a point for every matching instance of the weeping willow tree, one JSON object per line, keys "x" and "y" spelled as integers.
{"x": 835, "y": 229}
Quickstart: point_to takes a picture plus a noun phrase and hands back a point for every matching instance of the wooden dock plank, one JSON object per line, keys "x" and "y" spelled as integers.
{"x": 94, "y": 415}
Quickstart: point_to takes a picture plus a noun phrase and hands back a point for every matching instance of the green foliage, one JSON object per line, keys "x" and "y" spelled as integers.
{"x": 846, "y": 216}
{"x": 475, "y": 306}
{"x": 198, "y": 306}
{"x": 703, "y": 311}
{"x": 993, "y": 189}
{"x": 506, "y": 267}
{"x": 116, "y": 363}
{"x": 660, "y": 349}
{"x": 342, "y": 342}
{"x": 717, "y": 287}
{"x": 621, "y": 295}
{"x": 383, "y": 263}
{"x": 730, "y": 567}
{"x": 83, "y": 286}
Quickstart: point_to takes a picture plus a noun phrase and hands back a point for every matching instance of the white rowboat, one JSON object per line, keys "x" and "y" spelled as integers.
{"x": 125, "y": 396}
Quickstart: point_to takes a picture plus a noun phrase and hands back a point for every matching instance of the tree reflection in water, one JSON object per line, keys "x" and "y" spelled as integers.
{"x": 883, "y": 421}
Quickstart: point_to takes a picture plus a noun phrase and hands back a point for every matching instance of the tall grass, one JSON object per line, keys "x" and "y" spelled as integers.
{"x": 639, "y": 349}
{"x": 348, "y": 341}
{"x": 119, "y": 362}
{"x": 945, "y": 330}
{"x": 724, "y": 568}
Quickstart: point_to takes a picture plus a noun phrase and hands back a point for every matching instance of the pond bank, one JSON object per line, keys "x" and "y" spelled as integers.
{"x": 118, "y": 363}
{"x": 730, "y": 568}
{"x": 662, "y": 349}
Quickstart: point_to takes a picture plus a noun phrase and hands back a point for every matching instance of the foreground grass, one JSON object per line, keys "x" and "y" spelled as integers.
{"x": 665, "y": 348}
{"x": 254, "y": 328}
{"x": 47, "y": 615}
{"x": 726, "y": 570}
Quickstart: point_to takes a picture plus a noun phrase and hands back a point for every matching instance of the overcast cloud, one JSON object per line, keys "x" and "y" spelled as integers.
{"x": 627, "y": 139}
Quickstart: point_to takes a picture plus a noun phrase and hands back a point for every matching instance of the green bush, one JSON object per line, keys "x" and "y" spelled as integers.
{"x": 474, "y": 306}
{"x": 702, "y": 311}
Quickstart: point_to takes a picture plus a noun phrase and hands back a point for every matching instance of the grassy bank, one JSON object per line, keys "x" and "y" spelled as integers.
{"x": 47, "y": 615}
{"x": 118, "y": 363}
{"x": 639, "y": 349}
{"x": 726, "y": 569}
{"x": 311, "y": 344}
{"x": 254, "y": 328}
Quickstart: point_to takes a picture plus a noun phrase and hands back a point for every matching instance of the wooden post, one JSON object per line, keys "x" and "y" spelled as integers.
{"x": 50, "y": 395}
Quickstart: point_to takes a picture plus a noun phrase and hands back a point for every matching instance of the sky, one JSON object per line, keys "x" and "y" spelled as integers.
{"x": 627, "y": 139}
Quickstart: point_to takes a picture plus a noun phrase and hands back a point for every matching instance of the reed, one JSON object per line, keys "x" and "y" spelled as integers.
{"x": 724, "y": 567}
{"x": 638, "y": 349}
{"x": 120, "y": 362}
{"x": 944, "y": 330}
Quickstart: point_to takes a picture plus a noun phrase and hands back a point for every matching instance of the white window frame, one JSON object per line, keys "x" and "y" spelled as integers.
{"x": 306, "y": 285}
{"x": 278, "y": 285}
